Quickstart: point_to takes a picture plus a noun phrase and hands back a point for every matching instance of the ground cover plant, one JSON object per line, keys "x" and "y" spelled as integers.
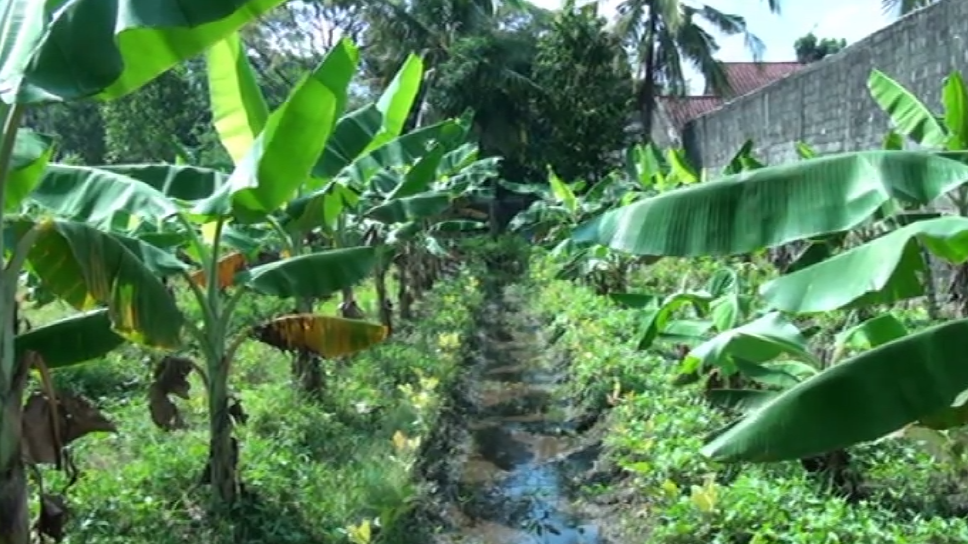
{"x": 796, "y": 342}
{"x": 350, "y": 456}
{"x": 658, "y": 487}
{"x": 321, "y": 315}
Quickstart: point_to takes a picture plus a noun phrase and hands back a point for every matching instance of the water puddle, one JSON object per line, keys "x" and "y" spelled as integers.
{"x": 514, "y": 474}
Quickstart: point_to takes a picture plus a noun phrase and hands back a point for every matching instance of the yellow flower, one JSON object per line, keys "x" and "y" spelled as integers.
{"x": 448, "y": 341}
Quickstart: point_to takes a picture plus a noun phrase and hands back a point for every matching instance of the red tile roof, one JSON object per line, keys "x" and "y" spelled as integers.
{"x": 746, "y": 77}
{"x": 682, "y": 109}
{"x": 743, "y": 77}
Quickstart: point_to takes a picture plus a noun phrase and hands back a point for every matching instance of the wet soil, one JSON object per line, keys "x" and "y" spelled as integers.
{"x": 521, "y": 448}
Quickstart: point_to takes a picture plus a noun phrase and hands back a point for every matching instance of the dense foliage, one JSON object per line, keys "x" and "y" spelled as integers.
{"x": 809, "y": 48}
{"x": 269, "y": 243}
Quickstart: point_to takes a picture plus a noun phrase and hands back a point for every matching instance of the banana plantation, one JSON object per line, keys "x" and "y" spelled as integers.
{"x": 322, "y": 315}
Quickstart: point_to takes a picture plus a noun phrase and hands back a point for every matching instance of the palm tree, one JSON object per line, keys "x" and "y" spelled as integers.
{"x": 433, "y": 29}
{"x": 395, "y": 28}
{"x": 899, "y": 8}
{"x": 666, "y": 33}
{"x": 774, "y": 5}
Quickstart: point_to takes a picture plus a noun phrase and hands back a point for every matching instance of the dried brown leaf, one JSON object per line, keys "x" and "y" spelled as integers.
{"x": 53, "y": 516}
{"x": 80, "y": 417}
{"x": 170, "y": 378}
{"x": 77, "y": 417}
{"x": 236, "y": 412}
{"x": 164, "y": 413}
{"x": 351, "y": 310}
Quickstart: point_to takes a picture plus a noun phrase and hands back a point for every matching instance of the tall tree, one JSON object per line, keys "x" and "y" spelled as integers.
{"x": 810, "y": 49}
{"x": 489, "y": 73}
{"x": 77, "y": 126}
{"x": 432, "y": 29}
{"x": 665, "y": 34}
{"x": 288, "y": 41}
{"x": 158, "y": 122}
{"x": 586, "y": 81}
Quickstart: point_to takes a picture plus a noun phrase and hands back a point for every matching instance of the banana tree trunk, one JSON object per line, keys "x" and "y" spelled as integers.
{"x": 646, "y": 94}
{"x": 425, "y": 281}
{"x": 493, "y": 210}
{"x": 930, "y": 286}
{"x": 307, "y": 372}
{"x": 415, "y": 270}
{"x": 404, "y": 295}
{"x": 14, "y": 508}
{"x": 418, "y": 116}
{"x": 14, "y": 498}
{"x": 223, "y": 449}
{"x": 383, "y": 298}
{"x": 433, "y": 272}
{"x": 306, "y": 368}
{"x": 349, "y": 308}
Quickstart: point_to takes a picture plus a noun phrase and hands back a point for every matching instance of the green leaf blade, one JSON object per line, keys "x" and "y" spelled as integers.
{"x": 86, "y": 268}
{"x": 859, "y": 400}
{"x": 109, "y": 48}
{"x": 771, "y": 206}
{"x": 31, "y": 154}
{"x": 96, "y": 196}
{"x": 316, "y": 275}
{"x": 909, "y": 115}
{"x": 72, "y": 340}
{"x": 883, "y": 270}
{"x": 282, "y": 157}
{"x": 239, "y": 110}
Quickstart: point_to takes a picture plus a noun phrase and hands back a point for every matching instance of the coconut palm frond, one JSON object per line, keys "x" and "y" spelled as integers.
{"x": 899, "y": 8}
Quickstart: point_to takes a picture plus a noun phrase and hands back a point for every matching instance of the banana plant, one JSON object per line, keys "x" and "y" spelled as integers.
{"x": 405, "y": 180}
{"x": 717, "y": 307}
{"x": 329, "y": 208}
{"x": 77, "y": 54}
{"x": 410, "y": 211}
{"x": 562, "y": 205}
{"x": 946, "y": 131}
{"x": 561, "y": 208}
{"x": 240, "y": 111}
{"x": 653, "y": 172}
{"x": 772, "y": 353}
{"x": 735, "y": 351}
{"x": 275, "y": 156}
{"x": 871, "y": 394}
{"x": 649, "y": 172}
{"x": 280, "y": 158}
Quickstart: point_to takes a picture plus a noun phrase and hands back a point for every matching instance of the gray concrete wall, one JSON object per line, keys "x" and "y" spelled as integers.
{"x": 827, "y": 105}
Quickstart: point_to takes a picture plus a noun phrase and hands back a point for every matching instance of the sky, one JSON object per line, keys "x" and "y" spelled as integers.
{"x": 848, "y": 19}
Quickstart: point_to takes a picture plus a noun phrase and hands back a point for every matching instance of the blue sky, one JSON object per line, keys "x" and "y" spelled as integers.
{"x": 848, "y": 19}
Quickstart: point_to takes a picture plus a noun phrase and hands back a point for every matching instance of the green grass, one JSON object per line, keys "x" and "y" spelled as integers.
{"x": 310, "y": 469}
{"x": 679, "y": 497}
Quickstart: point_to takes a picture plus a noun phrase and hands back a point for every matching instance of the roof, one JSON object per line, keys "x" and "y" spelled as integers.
{"x": 743, "y": 77}
{"x": 682, "y": 109}
{"x": 746, "y": 77}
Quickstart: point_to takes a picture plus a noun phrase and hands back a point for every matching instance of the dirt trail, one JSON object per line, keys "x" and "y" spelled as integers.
{"x": 520, "y": 447}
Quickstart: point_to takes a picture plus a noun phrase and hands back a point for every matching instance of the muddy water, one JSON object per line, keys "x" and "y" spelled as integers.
{"x": 512, "y": 481}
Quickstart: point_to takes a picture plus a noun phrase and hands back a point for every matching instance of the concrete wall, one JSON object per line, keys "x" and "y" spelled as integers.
{"x": 827, "y": 104}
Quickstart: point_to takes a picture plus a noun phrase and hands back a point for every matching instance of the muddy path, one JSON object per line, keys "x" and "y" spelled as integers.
{"x": 520, "y": 450}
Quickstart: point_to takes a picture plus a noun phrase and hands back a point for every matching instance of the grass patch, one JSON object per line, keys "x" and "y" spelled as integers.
{"x": 311, "y": 469}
